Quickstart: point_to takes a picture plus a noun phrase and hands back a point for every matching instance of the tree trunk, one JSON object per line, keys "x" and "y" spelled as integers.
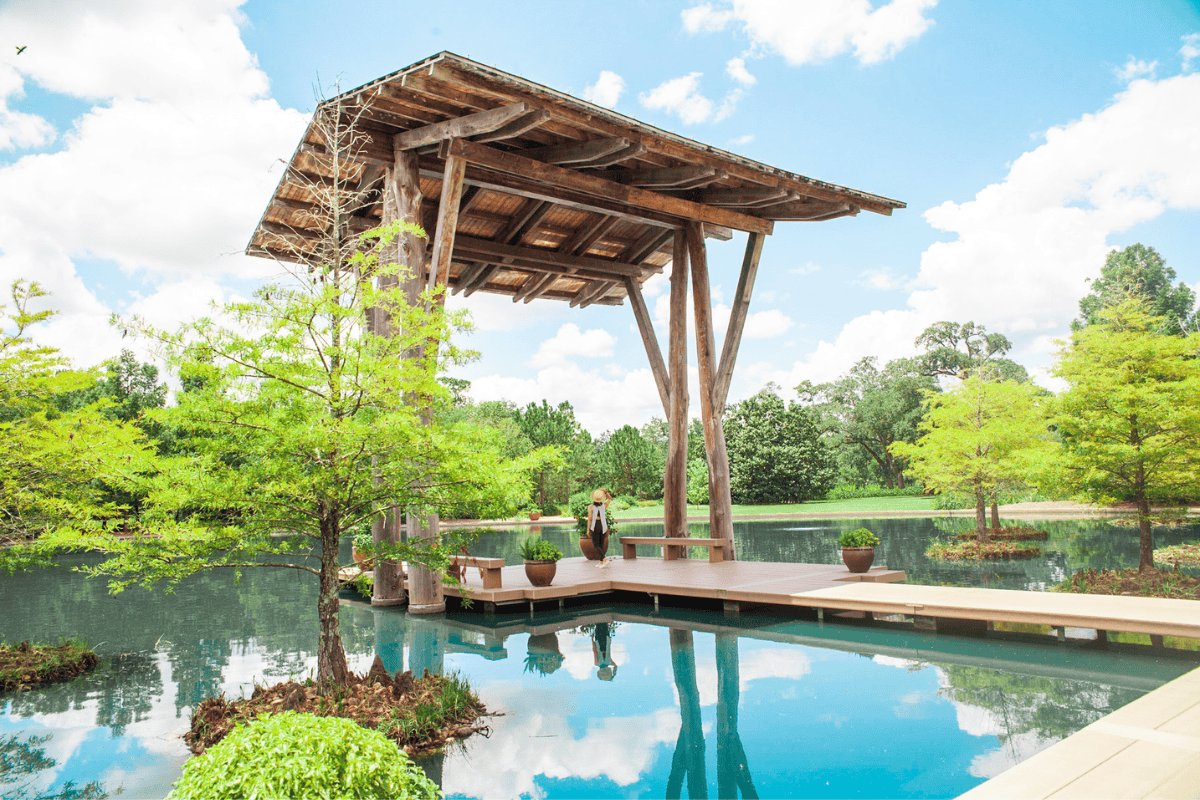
{"x": 996, "y": 510}
{"x": 675, "y": 474}
{"x": 981, "y": 532}
{"x": 331, "y": 657}
{"x": 1146, "y": 536}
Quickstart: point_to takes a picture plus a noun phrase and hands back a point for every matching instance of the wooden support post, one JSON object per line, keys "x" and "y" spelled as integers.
{"x": 425, "y": 586}
{"x": 650, "y": 341}
{"x": 720, "y": 506}
{"x": 737, "y": 321}
{"x": 675, "y": 481}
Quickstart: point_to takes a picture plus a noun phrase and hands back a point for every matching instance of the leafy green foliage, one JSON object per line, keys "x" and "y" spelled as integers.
{"x": 630, "y": 464}
{"x": 1130, "y": 421}
{"x": 697, "y": 482}
{"x": 859, "y": 537}
{"x": 55, "y": 463}
{"x": 864, "y": 412}
{"x": 775, "y": 452}
{"x": 978, "y": 437}
{"x": 555, "y": 427}
{"x": 1139, "y": 271}
{"x": 847, "y": 492}
{"x": 303, "y": 755}
{"x": 533, "y": 549}
{"x": 957, "y": 351}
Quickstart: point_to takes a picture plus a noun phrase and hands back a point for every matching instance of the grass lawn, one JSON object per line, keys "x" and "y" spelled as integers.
{"x": 865, "y": 506}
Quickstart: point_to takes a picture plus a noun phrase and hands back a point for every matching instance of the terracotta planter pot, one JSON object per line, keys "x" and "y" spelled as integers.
{"x": 535, "y": 515}
{"x": 361, "y": 559}
{"x": 540, "y": 573}
{"x": 589, "y": 550}
{"x": 858, "y": 559}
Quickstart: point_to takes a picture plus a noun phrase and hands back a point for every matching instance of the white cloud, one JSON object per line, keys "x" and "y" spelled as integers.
{"x": 741, "y": 140}
{"x": 705, "y": 17}
{"x": 1134, "y": 69}
{"x": 606, "y": 91}
{"x": 728, "y": 105}
{"x": 570, "y": 341}
{"x": 680, "y": 96}
{"x": 767, "y": 324}
{"x": 812, "y": 32}
{"x": 1190, "y": 50}
{"x": 164, "y": 177}
{"x": 1026, "y": 246}
{"x": 736, "y": 67}
{"x": 807, "y": 268}
{"x": 879, "y": 280}
{"x": 18, "y": 129}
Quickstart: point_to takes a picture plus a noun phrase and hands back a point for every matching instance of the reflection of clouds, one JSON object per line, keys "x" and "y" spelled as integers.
{"x": 912, "y": 706}
{"x": 835, "y": 719}
{"x": 765, "y": 662}
{"x": 900, "y": 663}
{"x": 535, "y": 738}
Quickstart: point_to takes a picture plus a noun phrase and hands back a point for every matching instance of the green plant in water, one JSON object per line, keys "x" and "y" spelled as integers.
{"x": 859, "y": 537}
{"x": 539, "y": 550}
{"x": 303, "y": 755}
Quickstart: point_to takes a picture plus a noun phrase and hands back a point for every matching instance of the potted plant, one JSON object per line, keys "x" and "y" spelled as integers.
{"x": 858, "y": 549}
{"x": 363, "y": 548}
{"x": 541, "y": 560}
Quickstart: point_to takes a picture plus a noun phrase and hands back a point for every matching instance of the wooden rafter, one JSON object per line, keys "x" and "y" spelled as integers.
{"x": 653, "y": 352}
{"x": 469, "y": 125}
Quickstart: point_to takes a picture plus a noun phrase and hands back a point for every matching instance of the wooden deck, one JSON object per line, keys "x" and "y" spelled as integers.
{"x": 731, "y": 581}
{"x": 830, "y": 587}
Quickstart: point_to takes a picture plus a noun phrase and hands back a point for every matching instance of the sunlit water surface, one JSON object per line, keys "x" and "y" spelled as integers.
{"x": 601, "y": 701}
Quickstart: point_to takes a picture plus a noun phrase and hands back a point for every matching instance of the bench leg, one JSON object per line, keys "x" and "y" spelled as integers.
{"x": 491, "y": 578}
{"x": 716, "y": 554}
{"x": 628, "y": 551}
{"x": 671, "y": 551}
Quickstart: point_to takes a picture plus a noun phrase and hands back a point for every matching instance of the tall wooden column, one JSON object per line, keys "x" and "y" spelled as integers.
{"x": 401, "y": 200}
{"x": 720, "y": 517}
{"x": 675, "y": 482}
{"x": 425, "y": 586}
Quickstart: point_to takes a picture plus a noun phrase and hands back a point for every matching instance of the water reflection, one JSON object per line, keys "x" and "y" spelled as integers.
{"x": 23, "y": 762}
{"x": 597, "y": 701}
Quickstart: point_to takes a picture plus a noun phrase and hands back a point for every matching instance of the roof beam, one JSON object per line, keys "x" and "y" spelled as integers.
{"x": 624, "y": 154}
{"x": 577, "y": 152}
{"x": 492, "y": 251}
{"x": 746, "y": 196}
{"x": 662, "y": 178}
{"x": 591, "y": 293}
{"x": 520, "y": 125}
{"x": 470, "y": 125}
{"x": 600, "y": 187}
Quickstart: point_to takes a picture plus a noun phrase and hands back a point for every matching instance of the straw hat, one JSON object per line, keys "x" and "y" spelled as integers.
{"x": 599, "y": 496}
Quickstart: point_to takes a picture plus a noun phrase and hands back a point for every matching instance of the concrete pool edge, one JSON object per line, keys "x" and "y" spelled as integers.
{"x": 1149, "y": 748}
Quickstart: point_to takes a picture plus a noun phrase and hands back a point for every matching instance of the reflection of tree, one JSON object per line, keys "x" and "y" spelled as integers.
{"x": 732, "y": 771}
{"x": 1048, "y": 708}
{"x": 25, "y": 757}
{"x": 689, "y": 749}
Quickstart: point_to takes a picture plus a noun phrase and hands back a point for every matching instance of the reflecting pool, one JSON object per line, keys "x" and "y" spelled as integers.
{"x": 596, "y": 701}
{"x": 1074, "y": 545}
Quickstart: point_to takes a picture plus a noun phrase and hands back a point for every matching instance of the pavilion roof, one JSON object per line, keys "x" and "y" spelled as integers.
{"x": 563, "y": 200}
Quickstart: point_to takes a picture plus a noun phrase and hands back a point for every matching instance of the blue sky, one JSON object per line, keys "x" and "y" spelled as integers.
{"x": 139, "y": 142}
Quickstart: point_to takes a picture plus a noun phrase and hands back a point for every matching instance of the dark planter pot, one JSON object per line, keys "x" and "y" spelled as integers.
{"x": 589, "y": 550}
{"x": 540, "y": 573}
{"x": 858, "y": 559}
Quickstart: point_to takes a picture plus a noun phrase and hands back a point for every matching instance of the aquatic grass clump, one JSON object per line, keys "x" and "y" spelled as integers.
{"x": 26, "y": 665}
{"x": 979, "y": 551}
{"x": 290, "y": 754}
{"x": 1014, "y": 534}
{"x": 1146, "y": 583}
{"x": 1187, "y": 555}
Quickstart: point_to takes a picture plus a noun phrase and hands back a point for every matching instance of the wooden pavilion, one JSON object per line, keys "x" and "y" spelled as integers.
{"x": 534, "y": 194}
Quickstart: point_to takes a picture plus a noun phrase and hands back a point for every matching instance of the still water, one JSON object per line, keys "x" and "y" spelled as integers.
{"x": 599, "y": 701}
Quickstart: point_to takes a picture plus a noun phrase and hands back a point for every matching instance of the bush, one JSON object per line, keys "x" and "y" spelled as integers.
{"x": 859, "y": 537}
{"x": 577, "y": 505}
{"x": 848, "y": 491}
{"x": 951, "y": 501}
{"x": 303, "y": 755}
{"x": 539, "y": 550}
{"x": 697, "y": 482}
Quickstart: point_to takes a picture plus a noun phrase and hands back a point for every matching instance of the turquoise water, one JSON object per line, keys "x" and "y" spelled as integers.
{"x": 601, "y": 701}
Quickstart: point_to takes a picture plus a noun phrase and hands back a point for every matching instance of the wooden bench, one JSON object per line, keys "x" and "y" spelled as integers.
{"x": 488, "y": 567}
{"x": 672, "y": 546}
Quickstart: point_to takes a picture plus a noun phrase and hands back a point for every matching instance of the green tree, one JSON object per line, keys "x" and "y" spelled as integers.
{"x": 869, "y": 409}
{"x": 628, "y": 464}
{"x": 553, "y": 426}
{"x": 776, "y": 454}
{"x": 54, "y": 462}
{"x": 977, "y": 437}
{"x": 958, "y": 350}
{"x": 1139, "y": 271}
{"x": 1130, "y": 421}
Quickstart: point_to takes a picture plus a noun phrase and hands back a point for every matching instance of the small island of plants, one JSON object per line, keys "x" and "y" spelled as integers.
{"x": 25, "y": 666}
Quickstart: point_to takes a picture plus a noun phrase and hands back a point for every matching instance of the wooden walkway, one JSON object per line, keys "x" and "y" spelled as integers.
{"x": 834, "y": 588}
